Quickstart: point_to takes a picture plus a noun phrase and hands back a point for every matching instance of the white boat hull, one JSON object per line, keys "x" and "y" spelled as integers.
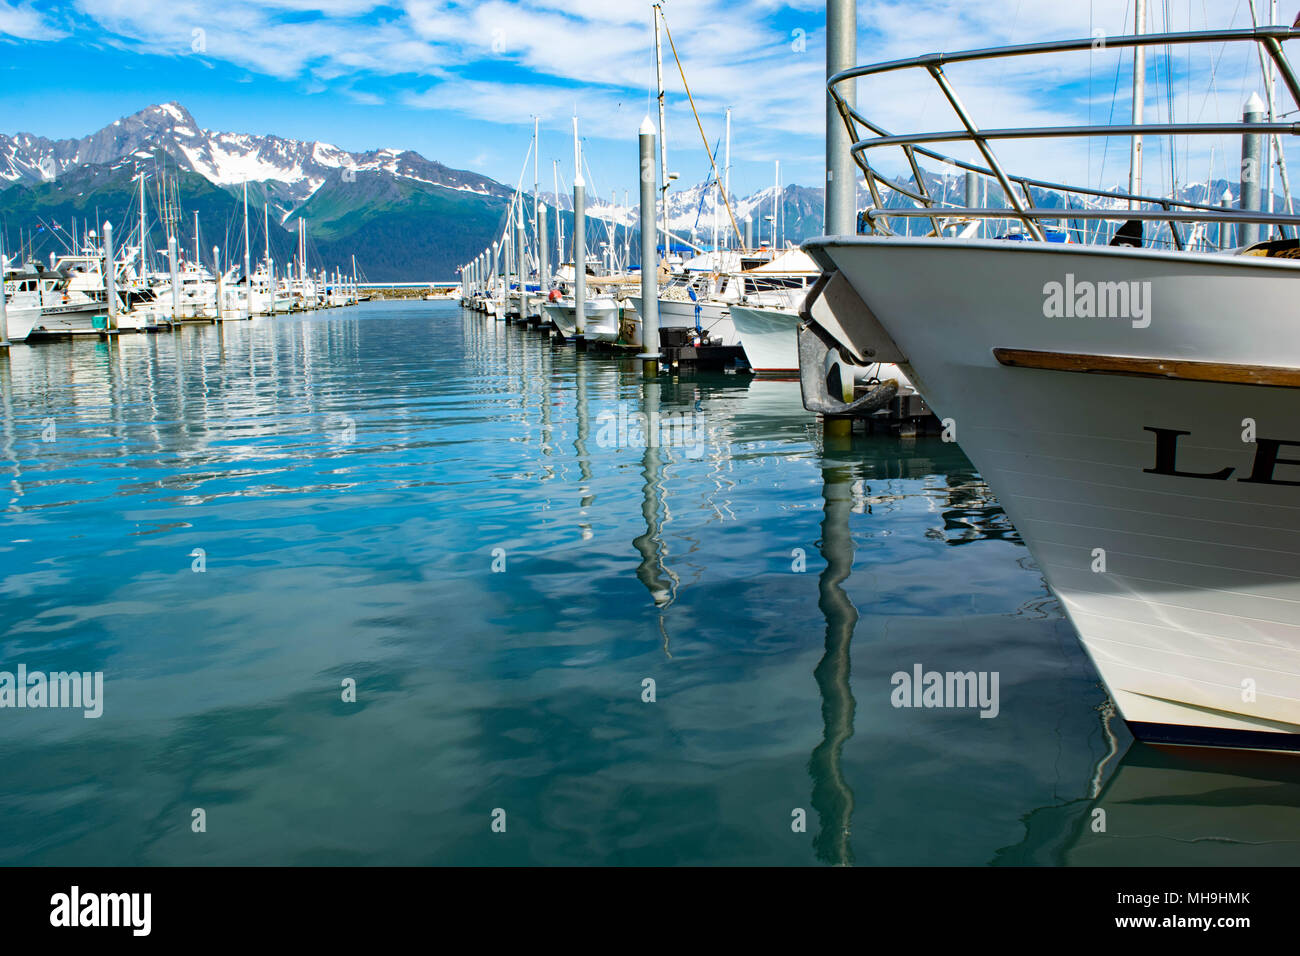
{"x": 713, "y": 317}
{"x": 19, "y": 321}
{"x": 69, "y": 318}
{"x": 1180, "y": 571}
{"x": 769, "y": 338}
{"x": 600, "y": 318}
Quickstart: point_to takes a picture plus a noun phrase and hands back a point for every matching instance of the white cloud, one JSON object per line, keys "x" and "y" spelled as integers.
{"x": 504, "y": 62}
{"x": 21, "y": 21}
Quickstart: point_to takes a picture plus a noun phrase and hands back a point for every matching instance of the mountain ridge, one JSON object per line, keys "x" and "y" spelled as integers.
{"x": 437, "y": 216}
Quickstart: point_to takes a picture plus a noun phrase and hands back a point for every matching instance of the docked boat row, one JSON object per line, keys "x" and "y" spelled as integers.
{"x": 98, "y": 288}
{"x": 738, "y": 305}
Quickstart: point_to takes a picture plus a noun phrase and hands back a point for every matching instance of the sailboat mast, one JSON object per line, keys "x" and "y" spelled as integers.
{"x": 559, "y": 223}
{"x": 577, "y": 150}
{"x": 248, "y": 251}
{"x": 663, "y": 130}
{"x": 1139, "y": 99}
{"x": 776, "y": 191}
{"x": 726, "y": 169}
{"x": 537, "y": 226}
{"x": 197, "y": 258}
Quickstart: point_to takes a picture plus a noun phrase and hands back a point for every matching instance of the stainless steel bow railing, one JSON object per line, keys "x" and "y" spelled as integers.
{"x": 1020, "y": 205}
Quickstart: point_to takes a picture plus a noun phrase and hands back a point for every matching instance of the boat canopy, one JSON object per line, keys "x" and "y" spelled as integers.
{"x": 713, "y": 262}
{"x": 793, "y": 260}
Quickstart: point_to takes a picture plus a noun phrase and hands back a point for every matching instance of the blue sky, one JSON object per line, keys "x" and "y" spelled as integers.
{"x": 460, "y": 82}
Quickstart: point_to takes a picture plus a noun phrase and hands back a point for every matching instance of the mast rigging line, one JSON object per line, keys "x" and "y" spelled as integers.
{"x": 726, "y": 200}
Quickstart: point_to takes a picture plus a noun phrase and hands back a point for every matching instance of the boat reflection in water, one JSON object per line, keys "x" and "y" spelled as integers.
{"x": 1182, "y": 807}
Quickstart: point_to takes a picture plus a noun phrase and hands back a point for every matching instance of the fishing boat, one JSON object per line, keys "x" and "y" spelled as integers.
{"x": 22, "y": 303}
{"x": 72, "y": 293}
{"x": 1132, "y": 403}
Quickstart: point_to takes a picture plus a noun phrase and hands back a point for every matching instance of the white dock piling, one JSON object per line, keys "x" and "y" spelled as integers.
{"x": 216, "y": 266}
{"x": 247, "y": 311}
{"x": 521, "y": 260}
{"x": 1252, "y": 152}
{"x": 649, "y": 258}
{"x": 510, "y": 268}
{"x": 841, "y": 183}
{"x": 580, "y": 262}
{"x": 4, "y": 309}
{"x": 110, "y": 276}
{"x": 176, "y": 278}
{"x": 973, "y": 197}
{"x": 496, "y": 283}
{"x": 543, "y": 253}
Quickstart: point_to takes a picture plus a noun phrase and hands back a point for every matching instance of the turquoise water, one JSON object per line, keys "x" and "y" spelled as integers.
{"x": 447, "y": 512}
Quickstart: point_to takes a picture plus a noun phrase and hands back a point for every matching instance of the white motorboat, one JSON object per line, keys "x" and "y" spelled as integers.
{"x": 22, "y": 303}
{"x": 72, "y": 294}
{"x": 769, "y": 336}
{"x": 1133, "y": 408}
{"x": 771, "y": 286}
{"x": 601, "y": 317}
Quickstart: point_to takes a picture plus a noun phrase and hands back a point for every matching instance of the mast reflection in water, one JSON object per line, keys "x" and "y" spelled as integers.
{"x": 832, "y": 797}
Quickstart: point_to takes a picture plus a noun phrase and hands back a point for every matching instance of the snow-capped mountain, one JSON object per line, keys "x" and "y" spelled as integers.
{"x": 403, "y": 216}
{"x": 225, "y": 159}
{"x": 297, "y": 170}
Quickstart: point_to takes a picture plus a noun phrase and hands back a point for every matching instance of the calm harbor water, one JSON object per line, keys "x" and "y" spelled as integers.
{"x": 463, "y": 519}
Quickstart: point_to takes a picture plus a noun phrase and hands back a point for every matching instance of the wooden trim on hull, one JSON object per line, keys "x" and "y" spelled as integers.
{"x": 1222, "y": 373}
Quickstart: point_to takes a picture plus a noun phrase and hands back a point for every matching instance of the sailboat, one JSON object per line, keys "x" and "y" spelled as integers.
{"x": 602, "y": 312}
{"x": 1132, "y": 404}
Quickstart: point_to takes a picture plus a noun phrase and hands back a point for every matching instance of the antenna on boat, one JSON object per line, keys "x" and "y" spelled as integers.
{"x": 577, "y": 155}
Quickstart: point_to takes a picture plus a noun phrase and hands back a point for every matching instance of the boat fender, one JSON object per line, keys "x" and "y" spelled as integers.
{"x": 554, "y": 296}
